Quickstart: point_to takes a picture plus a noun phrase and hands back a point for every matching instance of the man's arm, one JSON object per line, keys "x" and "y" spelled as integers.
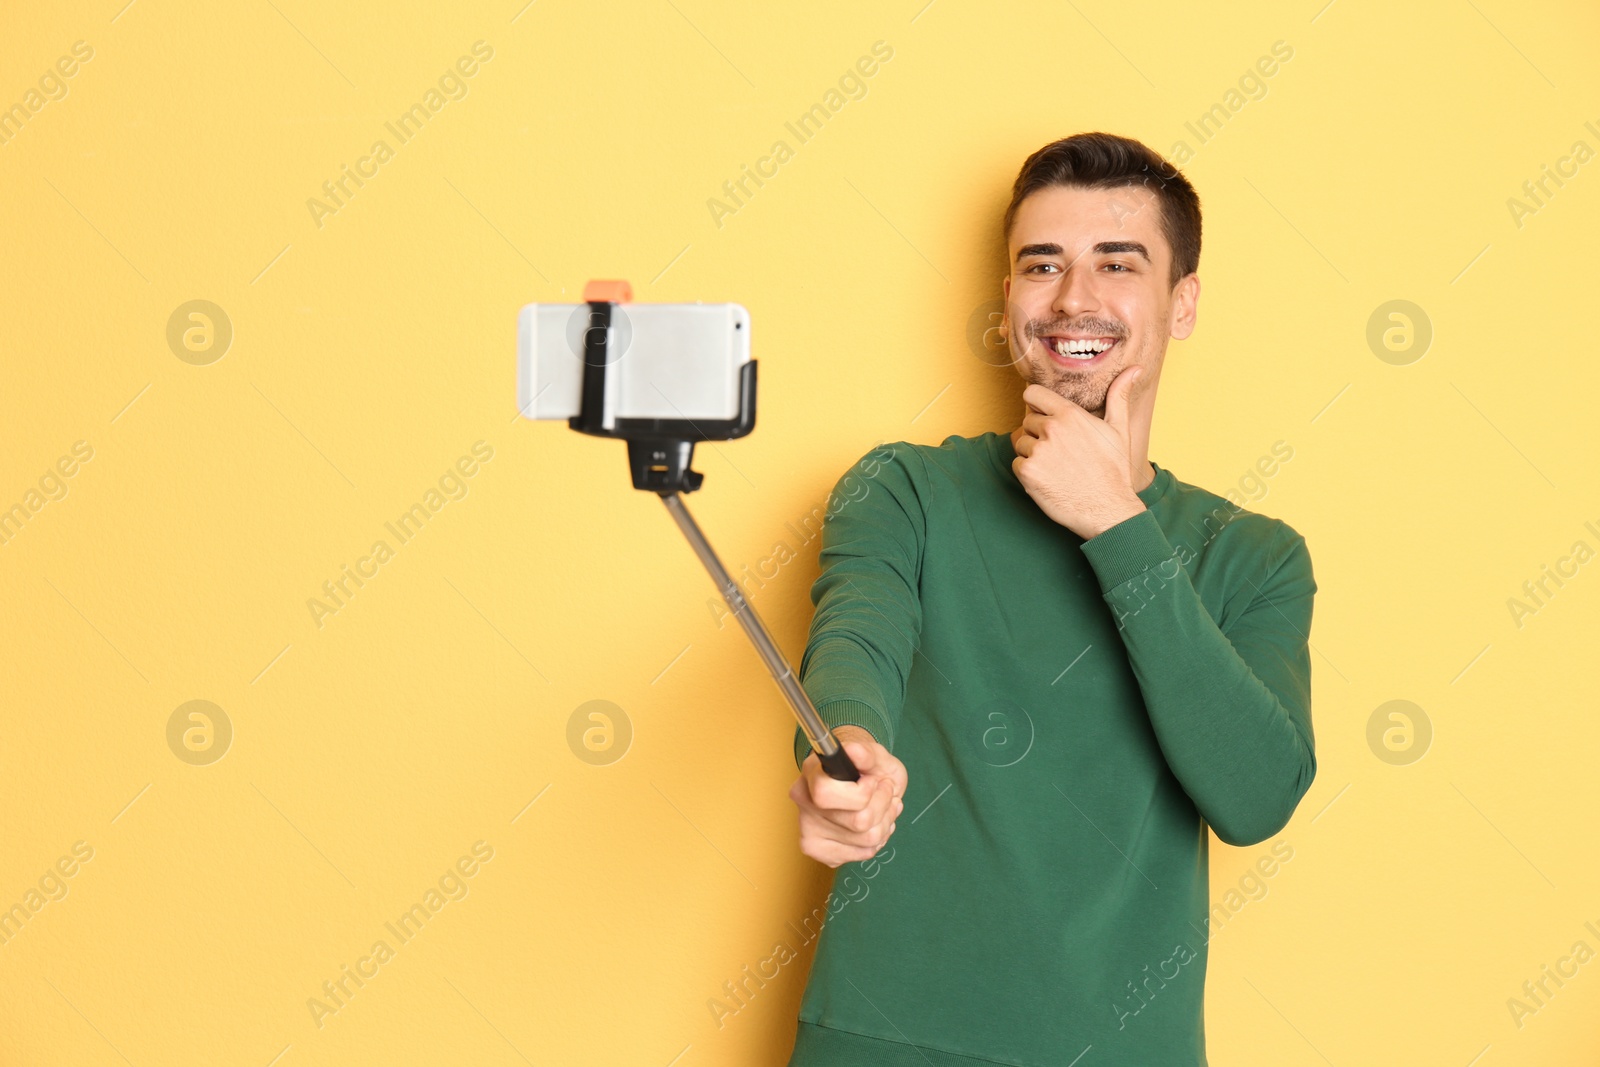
{"x": 868, "y": 610}
{"x": 1232, "y": 712}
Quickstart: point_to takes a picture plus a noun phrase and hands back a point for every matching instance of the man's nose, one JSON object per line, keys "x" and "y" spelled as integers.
{"x": 1075, "y": 294}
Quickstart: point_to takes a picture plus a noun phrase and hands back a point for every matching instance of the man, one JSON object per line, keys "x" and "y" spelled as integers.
{"x": 1062, "y": 664}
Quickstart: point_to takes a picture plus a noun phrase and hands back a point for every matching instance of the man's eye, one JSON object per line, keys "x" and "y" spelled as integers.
{"x": 1122, "y": 268}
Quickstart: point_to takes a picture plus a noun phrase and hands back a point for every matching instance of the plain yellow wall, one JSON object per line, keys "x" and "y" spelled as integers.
{"x": 374, "y": 748}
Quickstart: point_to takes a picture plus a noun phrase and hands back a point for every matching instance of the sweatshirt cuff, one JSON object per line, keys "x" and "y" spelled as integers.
{"x": 1127, "y": 549}
{"x": 844, "y": 712}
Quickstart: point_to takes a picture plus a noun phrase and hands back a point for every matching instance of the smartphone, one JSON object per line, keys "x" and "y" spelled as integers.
{"x": 669, "y": 362}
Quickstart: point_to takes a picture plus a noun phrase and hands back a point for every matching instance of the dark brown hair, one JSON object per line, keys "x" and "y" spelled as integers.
{"x": 1106, "y": 161}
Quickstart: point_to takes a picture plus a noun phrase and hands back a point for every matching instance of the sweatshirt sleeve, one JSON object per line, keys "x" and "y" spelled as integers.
{"x": 1231, "y": 710}
{"x": 868, "y": 609}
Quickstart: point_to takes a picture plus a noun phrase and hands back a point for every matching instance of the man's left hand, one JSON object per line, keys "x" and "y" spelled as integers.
{"x": 1074, "y": 465}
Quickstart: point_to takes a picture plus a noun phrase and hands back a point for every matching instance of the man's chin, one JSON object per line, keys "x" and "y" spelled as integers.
{"x": 1080, "y": 392}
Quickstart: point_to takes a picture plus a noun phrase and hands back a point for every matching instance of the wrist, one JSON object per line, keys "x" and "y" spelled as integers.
{"x": 851, "y": 732}
{"x": 1114, "y": 516}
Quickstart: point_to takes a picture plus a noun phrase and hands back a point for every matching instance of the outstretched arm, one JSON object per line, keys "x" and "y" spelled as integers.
{"x": 868, "y": 610}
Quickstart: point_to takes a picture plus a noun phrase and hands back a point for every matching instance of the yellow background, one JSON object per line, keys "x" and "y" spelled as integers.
{"x": 371, "y": 352}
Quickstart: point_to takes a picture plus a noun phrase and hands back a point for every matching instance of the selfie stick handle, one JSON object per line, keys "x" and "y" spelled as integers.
{"x": 829, "y": 752}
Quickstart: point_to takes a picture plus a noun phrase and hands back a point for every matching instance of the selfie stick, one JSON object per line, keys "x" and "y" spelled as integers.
{"x": 659, "y": 454}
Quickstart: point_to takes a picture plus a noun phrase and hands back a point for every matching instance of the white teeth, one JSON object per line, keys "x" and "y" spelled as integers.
{"x": 1080, "y": 349}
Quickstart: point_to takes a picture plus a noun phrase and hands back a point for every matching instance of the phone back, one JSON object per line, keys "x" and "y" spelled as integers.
{"x": 663, "y": 361}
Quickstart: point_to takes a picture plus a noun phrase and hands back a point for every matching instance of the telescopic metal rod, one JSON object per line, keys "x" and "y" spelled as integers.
{"x": 829, "y": 752}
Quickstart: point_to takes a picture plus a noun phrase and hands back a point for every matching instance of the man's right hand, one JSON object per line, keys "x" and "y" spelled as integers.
{"x": 841, "y": 822}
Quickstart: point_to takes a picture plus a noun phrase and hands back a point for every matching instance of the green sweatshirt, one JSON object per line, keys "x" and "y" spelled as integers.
{"x": 1072, "y": 715}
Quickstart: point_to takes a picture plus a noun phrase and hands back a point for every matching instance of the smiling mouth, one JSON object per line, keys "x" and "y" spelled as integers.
{"x": 1079, "y": 350}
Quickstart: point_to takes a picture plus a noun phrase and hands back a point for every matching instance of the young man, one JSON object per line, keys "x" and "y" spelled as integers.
{"x": 1062, "y": 664}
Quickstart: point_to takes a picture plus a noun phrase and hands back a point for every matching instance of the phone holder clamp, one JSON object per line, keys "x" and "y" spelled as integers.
{"x": 660, "y": 451}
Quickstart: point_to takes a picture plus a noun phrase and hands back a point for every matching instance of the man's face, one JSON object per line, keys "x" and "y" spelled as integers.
{"x": 1091, "y": 267}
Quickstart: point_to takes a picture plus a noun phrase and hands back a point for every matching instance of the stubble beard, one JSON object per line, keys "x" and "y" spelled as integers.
{"x": 1086, "y": 389}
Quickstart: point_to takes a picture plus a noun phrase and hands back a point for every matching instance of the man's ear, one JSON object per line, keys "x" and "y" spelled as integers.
{"x": 1185, "y": 307}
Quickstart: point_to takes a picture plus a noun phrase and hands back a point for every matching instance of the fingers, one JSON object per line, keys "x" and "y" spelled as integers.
{"x": 865, "y": 827}
{"x": 879, "y": 762}
{"x": 870, "y": 759}
{"x": 866, "y": 834}
{"x": 1035, "y": 424}
{"x": 1040, "y": 398}
{"x": 875, "y": 813}
{"x": 833, "y": 854}
{"x": 843, "y": 822}
{"x": 897, "y": 774}
{"x": 827, "y": 842}
{"x": 852, "y": 805}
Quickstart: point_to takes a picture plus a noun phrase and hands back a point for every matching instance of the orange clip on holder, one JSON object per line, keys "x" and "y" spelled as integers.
{"x": 609, "y": 290}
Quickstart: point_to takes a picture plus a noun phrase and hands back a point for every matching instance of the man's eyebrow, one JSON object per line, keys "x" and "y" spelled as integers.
{"x": 1104, "y": 248}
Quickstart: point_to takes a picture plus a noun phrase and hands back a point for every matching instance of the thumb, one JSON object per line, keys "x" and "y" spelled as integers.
{"x": 1117, "y": 396}
{"x": 879, "y": 769}
{"x": 863, "y": 756}
{"x": 866, "y": 755}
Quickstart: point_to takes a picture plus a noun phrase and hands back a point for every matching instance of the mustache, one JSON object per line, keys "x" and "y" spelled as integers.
{"x": 1097, "y": 327}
